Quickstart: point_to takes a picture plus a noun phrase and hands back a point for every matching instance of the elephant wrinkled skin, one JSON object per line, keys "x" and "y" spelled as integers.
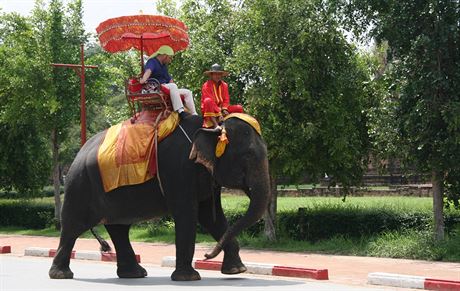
{"x": 192, "y": 195}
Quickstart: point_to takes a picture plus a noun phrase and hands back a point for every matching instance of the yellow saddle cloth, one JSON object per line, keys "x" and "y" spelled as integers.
{"x": 246, "y": 118}
{"x": 127, "y": 155}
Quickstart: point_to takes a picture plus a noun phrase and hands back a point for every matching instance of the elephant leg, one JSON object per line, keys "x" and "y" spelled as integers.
{"x": 232, "y": 263}
{"x": 60, "y": 268}
{"x": 185, "y": 227}
{"x": 127, "y": 266}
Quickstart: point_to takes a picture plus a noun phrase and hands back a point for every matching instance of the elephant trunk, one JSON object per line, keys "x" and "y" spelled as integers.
{"x": 259, "y": 194}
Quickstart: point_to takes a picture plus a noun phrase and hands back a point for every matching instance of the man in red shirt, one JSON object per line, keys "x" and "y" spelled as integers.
{"x": 215, "y": 99}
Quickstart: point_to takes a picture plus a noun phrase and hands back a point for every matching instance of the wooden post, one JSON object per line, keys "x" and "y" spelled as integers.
{"x": 80, "y": 70}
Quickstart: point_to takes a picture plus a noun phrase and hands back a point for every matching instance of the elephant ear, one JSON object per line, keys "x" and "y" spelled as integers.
{"x": 204, "y": 148}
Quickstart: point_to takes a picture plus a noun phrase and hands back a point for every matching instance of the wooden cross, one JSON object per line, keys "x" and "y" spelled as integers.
{"x": 80, "y": 70}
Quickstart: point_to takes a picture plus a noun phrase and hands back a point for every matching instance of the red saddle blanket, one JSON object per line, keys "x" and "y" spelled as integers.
{"x": 127, "y": 154}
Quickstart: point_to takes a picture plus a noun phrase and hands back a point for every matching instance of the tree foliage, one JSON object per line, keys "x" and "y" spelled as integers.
{"x": 24, "y": 84}
{"x": 37, "y": 99}
{"x": 424, "y": 47}
{"x": 65, "y": 34}
{"x": 306, "y": 84}
{"x": 423, "y": 37}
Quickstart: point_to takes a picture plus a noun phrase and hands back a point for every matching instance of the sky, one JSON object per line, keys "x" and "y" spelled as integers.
{"x": 95, "y": 11}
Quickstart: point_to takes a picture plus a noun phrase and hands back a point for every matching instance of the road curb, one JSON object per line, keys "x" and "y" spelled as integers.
{"x": 415, "y": 282}
{"x": 81, "y": 255}
{"x": 257, "y": 268}
{"x": 5, "y": 249}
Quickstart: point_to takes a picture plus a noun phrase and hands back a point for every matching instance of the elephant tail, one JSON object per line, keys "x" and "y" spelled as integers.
{"x": 105, "y": 247}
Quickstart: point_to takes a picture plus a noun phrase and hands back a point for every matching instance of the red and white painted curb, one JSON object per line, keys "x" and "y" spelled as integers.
{"x": 82, "y": 255}
{"x": 256, "y": 268}
{"x": 5, "y": 249}
{"x": 415, "y": 282}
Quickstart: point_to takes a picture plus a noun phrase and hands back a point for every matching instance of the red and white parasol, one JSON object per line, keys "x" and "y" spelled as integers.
{"x": 146, "y": 33}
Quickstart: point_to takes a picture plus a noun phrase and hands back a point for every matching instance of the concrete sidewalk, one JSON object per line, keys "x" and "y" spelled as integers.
{"x": 342, "y": 269}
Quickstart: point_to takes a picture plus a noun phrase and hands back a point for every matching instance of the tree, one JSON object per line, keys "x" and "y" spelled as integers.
{"x": 424, "y": 49}
{"x": 65, "y": 37}
{"x": 292, "y": 68}
{"x": 306, "y": 84}
{"x": 37, "y": 99}
{"x": 57, "y": 38}
{"x": 24, "y": 102}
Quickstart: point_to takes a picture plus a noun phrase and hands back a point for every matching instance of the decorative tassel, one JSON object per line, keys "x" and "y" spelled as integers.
{"x": 222, "y": 143}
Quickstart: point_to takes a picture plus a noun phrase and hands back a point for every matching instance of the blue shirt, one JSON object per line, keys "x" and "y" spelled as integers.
{"x": 159, "y": 71}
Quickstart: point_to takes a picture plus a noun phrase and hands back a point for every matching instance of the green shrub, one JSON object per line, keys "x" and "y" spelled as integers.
{"x": 327, "y": 221}
{"x": 450, "y": 245}
{"x": 26, "y": 214}
{"x": 233, "y": 216}
{"x": 48, "y": 191}
{"x": 160, "y": 227}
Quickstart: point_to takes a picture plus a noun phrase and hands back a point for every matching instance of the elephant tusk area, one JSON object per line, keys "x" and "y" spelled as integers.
{"x": 215, "y": 252}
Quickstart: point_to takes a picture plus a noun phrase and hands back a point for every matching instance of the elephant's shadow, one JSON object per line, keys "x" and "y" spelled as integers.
{"x": 206, "y": 281}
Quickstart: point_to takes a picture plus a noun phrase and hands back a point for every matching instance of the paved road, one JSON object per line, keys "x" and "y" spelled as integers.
{"x": 29, "y": 273}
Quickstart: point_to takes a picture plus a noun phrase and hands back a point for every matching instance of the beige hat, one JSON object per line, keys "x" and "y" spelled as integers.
{"x": 216, "y": 69}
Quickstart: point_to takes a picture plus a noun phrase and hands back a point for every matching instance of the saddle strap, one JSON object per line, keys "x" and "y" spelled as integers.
{"x": 156, "y": 153}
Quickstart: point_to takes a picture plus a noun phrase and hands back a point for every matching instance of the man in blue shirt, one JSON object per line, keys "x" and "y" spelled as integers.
{"x": 157, "y": 67}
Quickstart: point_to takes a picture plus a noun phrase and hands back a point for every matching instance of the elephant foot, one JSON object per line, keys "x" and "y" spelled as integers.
{"x": 56, "y": 273}
{"x": 133, "y": 271}
{"x": 233, "y": 269}
{"x": 188, "y": 274}
{"x": 232, "y": 264}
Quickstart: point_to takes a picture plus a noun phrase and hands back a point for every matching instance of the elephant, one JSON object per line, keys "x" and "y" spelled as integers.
{"x": 191, "y": 177}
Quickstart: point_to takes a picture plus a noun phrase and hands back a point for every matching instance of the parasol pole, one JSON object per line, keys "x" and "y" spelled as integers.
{"x": 142, "y": 55}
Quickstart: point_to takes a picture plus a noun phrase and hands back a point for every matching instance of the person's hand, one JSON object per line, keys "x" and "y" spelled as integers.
{"x": 224, "y": 112}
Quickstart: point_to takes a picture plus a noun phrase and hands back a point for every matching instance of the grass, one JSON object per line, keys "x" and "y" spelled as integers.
{"x": 293, "y": 203}
{"x": 312, "y": 186}
{"x": 50, "y": 231}
{"x": 236, "y": 202}
{"x": 409, "y": 244}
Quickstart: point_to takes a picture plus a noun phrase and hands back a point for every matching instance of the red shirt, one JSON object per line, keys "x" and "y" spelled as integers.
{"x": 217, "y": 92}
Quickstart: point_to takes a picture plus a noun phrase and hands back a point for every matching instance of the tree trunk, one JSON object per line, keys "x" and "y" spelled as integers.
{"x": 56, "y": 179}
{"x": 438, "y": 204}
{"x": 270, "y": 214}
